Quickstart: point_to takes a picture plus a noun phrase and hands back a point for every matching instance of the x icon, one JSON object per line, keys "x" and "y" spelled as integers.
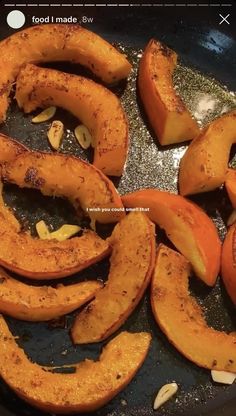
{"x": 224, "y": 19}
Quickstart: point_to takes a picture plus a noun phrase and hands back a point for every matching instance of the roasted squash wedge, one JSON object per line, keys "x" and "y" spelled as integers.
{"x": 181, "y": 318}
{"x": 40, "y": 259}
{"x": 204, "y": 165}
{"x": 47, "y": 43}
{"x": 186, "y": 225}
{"x": 46, "y": 259}
{"x": 228, "y": 262}
{"x": 131, "y": 265}
{"x": 168, "y": 115}
{"x": 91, "y": 386}
{"x": 42, "y": 303}
{"x": 230, "y": 185}
{"x": 94, "y": 105}
{"x": 67, "y": 176}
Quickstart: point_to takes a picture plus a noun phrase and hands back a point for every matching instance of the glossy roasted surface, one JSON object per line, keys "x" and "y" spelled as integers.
{"x": 148, "y": 166}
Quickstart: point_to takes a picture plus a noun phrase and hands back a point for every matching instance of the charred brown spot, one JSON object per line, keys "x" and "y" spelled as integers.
{"x": 32, "y": 178}
{"x": 4, "y": 88}
{"x": 165, "y": 51}
{"x": 159, "y": 293}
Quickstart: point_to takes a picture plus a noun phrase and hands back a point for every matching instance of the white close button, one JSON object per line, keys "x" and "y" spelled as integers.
{"x": 15, "y": 19}
{"x": 224, "y": 19}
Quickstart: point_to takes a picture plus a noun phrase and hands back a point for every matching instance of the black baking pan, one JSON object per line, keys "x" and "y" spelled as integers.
{"x": 209, "y": 50}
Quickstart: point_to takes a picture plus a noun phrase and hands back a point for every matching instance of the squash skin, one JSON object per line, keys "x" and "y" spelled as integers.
{"x": 46, "y": 259}
{"x": 207, "y": 157}
{"x": 181, "y": 318}
{"x": 230, "y": 185}
{"x": 47, "y": 43}
{"x": 89, "y": 388}
{"x": 187, "y": 226}
{"x": 70, "y": 177}
{"x": 42, "y": 303}
{"x": 40, "y": 259}
{"x": 131, "y": 266}
{"x": 228, "y": 262}
{"x": 94, "y": 105}
{"x": 169, "y": 117}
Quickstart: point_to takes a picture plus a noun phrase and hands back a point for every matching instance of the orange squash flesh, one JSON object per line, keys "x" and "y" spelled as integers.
{"x": 228, "y": 262}
{"x": 42, "y": 303}
{"x": 46, "y": 259}
{"x": 94, "y": 105}
{"x": 67, "y": 176}
{"x": 230, "y": 185}
{"x": 204, "y": 166}
{"x": 187, "y": 226}
{"x": 47, "y": 43}
{"x": 42, "y": 259}
{"x": 168, "y": 115}
{"x": 181, "y": 318}
{"x": 9, "y": 148}
{"x": 89, "y": 388}
{"x": 131, "y": 265}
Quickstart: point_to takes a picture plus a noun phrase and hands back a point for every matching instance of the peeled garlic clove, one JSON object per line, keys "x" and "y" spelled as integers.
{"x": 42, "y": 230}
{"x": 65, "y": 232}
{"x": 83, "y": 136}
{"x": 164, "y": 394}
{"x": 223, "y": 377}
{"x": 55, "y": 134}
{"x": 45, "y": 115}
{"x": 232, "y": 218}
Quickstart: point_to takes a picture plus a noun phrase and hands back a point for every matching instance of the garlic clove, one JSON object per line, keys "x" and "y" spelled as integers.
{"x": 55, "y": 134}
{"x": 62, "y": 234}
{"x": 164, "y": 394}
{"x": 65, "y": 232}
{"x": 223, "y": 377}
{"x": 83, "y": 136}
{"x": 42, "y": 230}
{"x": 45, "y": 115}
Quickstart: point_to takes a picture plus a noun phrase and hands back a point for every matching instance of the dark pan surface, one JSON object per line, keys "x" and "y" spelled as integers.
{"x": 202, "y": 49}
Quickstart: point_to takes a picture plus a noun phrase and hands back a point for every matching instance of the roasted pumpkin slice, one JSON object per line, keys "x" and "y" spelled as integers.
{"x": 42, "y": 303}
{"x": 46, "y": 259}
{"x": 36, "y": 258}
{"x": 131, "y": 265}
{"x": 67, "y": 176}
{"x": 93, "y": 384}
{"x": 230, "y": 185}
{"x": 181, "y": 318}
{"x": 168, "y": 115}
{"x": 47, "y": 43}
{"x": 228, "y": 262}
{"x": 186, "y": 225}
{"x": 94, "y": 105}
{"x": 204, "y": 165}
